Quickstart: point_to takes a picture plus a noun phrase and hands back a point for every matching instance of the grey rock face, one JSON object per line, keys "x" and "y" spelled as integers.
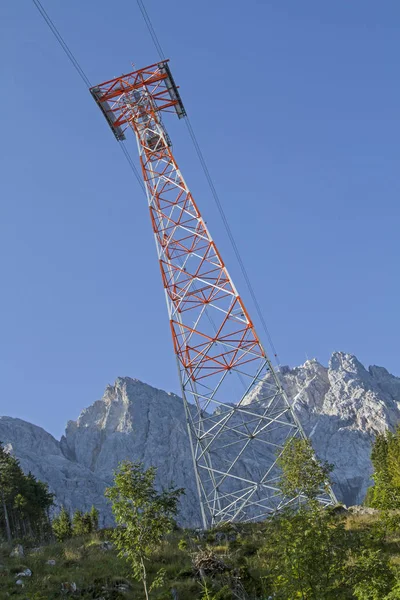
{"x": 39, "y": 452}
{"x": 341, "y": 407}
{"x": 137, "y": 422}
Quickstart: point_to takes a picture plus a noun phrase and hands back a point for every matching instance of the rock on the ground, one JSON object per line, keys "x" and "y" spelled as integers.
{"x": 363, "y": 510}
{"x": 106, "y": 545}
{"x": 17, "y": 552}
{"x": 68, "y": 587}
{"x": 25, "y": 573}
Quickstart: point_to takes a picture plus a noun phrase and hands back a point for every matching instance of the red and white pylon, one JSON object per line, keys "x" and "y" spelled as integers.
{"x": 238, "y": 415}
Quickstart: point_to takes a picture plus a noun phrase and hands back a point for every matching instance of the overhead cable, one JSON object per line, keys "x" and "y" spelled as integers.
{"x": 82, "y": 75}
{"x": 151, "y": 29}
{"x": 230, "y": 235}
{"x": 62, "y": 42}
{"x": 213, "y": 190}
{"x": 200, "y": 155}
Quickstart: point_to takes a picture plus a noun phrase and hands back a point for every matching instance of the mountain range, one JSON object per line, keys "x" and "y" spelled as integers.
{"x": 341, "y": 408}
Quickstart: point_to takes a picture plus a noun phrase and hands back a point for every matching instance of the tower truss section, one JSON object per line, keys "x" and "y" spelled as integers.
{"x": 237, "y": 412}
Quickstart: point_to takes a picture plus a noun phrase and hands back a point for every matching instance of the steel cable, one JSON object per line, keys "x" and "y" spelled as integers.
{"x": 82, "y": 75}
{"x": 192, "y": 134}
{"x": 214, "y": 192}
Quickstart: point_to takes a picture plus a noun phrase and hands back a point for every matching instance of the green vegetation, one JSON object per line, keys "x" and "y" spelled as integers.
{"x": 385, "y": 493}
{"x": 94, "y": 518}
{"x": 62, "y": 526}
{"x": 299, "y": 556}
{"x": 307, "y": 553}
{"x": 143, "y": 516}
{"x": 24, "y": 502}
{"x": 81, "y": 524}
{"x": 302, "y": 473}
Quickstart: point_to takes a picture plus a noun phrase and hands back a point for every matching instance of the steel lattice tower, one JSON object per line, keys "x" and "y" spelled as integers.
{"x": 237, "y": 412}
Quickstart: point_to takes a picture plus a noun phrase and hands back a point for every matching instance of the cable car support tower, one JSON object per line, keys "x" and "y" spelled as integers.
{"x": 238, "y": 415}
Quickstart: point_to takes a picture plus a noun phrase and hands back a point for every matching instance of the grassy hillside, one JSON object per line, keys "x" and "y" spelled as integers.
{"x": 233, "y": 558}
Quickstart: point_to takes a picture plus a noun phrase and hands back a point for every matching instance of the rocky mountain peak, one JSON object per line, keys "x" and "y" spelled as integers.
{"x": 386, "y": 383}
{"x": 342, "y": 361}
{"x": 341, "y": 407}
{"x": 16, "y": 433}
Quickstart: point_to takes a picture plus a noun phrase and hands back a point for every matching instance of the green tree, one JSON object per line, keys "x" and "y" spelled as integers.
{"x": 24, "y": 501}
{"x": 77, "y": 523}
{"x": 394, "y": 594}
{"x": 87, "y": 523}
{"x": 302, "y": 473}
{"x": 309, "y": 553}
{"x": 385, "y": 456}
{"x": 21, "y": 507}
{"x": 81, "y": 523}
{"x": 372, "y": 574}
{"x": 11, "y": 481}
{"x": 94, "y": 516}
{"x": 62, "y": 527}
{"x": 144, "y": 517}
{"x": 34, "y": 505}
{"x": 306, "y": 555}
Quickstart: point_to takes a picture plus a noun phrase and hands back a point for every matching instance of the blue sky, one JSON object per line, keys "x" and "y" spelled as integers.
{"x": 296, "y": 108}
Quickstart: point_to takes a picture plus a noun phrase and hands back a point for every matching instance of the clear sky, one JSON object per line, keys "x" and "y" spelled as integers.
{"x": 296, "y": 107}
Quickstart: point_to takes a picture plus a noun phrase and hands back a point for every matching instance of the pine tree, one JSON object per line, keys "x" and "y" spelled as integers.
{"x": 385, "y": 456}
{"x": 24, "y": 501}
{"x": 87, "y": 523}
{"x": 20, "y": 506}
{"x": 5, "y": 514}
{"x": 94, "y": 515}
{"x": 77, "y": 523}
{"x": 81, "y": 523}
{"x": 11, "y": 481}
{"x": 62, "y": 527}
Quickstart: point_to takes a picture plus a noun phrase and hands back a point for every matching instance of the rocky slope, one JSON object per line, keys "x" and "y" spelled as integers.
{"x": 134, "y": 420}
{"x": 40, "y": 453}
{"x": 341, "y": 408}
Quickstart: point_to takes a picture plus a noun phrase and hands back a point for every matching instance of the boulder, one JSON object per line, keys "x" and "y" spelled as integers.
{"x": 106, "y": 545}
{"x": 17, "y": 552}
{"x": 68, "y": 587}
{"x": 25, "y": 573}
